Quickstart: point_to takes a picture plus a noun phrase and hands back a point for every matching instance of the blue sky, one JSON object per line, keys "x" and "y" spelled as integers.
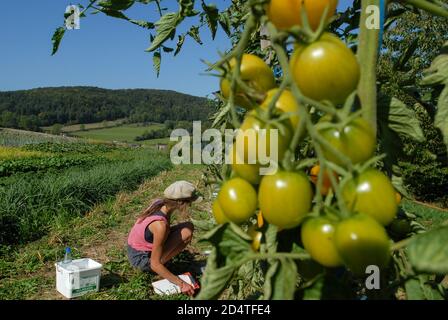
{"x": 105, "y": 52}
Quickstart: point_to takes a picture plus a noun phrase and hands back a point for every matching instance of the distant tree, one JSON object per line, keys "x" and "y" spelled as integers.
{"x": 8, "y": 119}
{"x": 56, "y": 129}
{"x": 170, "y": 124}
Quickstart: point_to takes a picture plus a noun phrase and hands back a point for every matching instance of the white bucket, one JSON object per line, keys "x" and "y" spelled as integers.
{"x": 78, "y": 277}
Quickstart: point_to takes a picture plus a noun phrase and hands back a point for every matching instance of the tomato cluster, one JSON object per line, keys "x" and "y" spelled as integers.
{"x": 325, "y": 71}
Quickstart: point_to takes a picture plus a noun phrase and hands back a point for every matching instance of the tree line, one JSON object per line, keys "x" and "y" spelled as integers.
{"x": 35, "y": 108}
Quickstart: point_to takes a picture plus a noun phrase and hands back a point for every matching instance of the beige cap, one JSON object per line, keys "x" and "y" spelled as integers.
{"x": 181, "y": 190}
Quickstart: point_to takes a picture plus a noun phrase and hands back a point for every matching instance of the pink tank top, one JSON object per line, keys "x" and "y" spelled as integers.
{"x": 136, "y": 238}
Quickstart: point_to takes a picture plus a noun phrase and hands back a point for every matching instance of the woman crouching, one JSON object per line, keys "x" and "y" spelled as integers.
{"x": 152, "y": 242}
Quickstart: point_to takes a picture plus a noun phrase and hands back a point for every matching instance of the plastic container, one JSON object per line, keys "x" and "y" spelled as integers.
{"x": 78, "y": 277}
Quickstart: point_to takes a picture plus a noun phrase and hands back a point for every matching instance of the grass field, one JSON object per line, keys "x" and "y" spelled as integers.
{"x": 154, "y": 142}
{"x": 88, "y": 126}
{"x": 16, "y": 138}
{"x": 125, "y": 133}
{"x": 28, "y": 272}
{"x": 101, "y": 235}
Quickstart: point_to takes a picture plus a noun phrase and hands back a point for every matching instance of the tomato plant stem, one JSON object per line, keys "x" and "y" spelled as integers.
{"x": 238, "y": 52}
{"x": 400, "y": 244}
{"x": 367, "y": 56}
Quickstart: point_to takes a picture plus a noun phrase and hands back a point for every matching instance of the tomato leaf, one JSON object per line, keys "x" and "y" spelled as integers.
{"x": 165, "y": 27}
{"x": 406, "y": 55}
{"x": 114, "y": 13}
{"x": 231, "y": 246}
{"x": 232, "y": 243}
{"x": 400, "y": 119}
{"x": 156, "y": 62}
{"x": 428, "y": 252}
{"x": 180, "y": 43}
{"x": 271, "y": 238}
{"x": 314, "y": 291}
{"x": 421, "y": 288}
{"x": 284, "y": 280}
{"x": 214, "y": 280}
{"x": 143, "y": 24}
{"x": 212, "y": 16}
{"x": 268, "y": 279}
{"x": 194, "y": 33}
{"x": 187, "y": 8}
{"x": 224, "y": 22}
{"x": 57, "y": 38}
{"x": 437, "y": 75}
{"x": 116, "y": 4}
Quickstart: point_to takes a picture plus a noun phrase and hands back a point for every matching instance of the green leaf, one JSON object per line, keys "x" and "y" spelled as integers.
{"x": 391, "y": 145}
{"x": 420, "y": 289}
{"x": 165, "y": 27}
{"x": 56, "y": 39}
{"x": 437, "y": 75}
{"x": 406, "y": 55}
{"x": 212, "y": 17}
{"x": 116, "y": 4}
{"x": 214, "y": 280}
{"x": 428, "y": 252}
{"x": 413, "y": 290}
{"x": 187, "y": 8}
{"x": 167, "y": 49}
{"x": 314, "y": 291}
{"x": 180, "y": 43}
{"x": 268, "y": 279}
{"x": 397, "y": 182}
{"x": 232, "y": 243}
{"x": 441, "y": 118}
{"x": 284, "y": 280}
{"x": 143, "y": 24}
{"x": 114, "y": 14}
{"x": 401, "y": 119}
{"x": 156, "y": 60}
{"x": 224, "y": 22}
{"x": 271, "y": 238}
{"x": 194, "y": 33}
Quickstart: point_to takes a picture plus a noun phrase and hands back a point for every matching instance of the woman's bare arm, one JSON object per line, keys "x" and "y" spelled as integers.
{"x": 160, "y": 231}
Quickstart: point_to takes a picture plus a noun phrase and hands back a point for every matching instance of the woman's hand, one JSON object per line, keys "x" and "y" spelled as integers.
{"x": 186, "y": 288}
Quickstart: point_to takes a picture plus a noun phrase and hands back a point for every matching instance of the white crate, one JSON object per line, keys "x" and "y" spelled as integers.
{"x": 77, "y": 278}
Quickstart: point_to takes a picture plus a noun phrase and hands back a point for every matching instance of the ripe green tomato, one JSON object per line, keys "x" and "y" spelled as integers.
{"x": 252, "y": 123}
{"x": 285, "y": 198}
{"x": 256, "y": 73}
{"x": 238, "y": 200}
{"x": 249, "y": 172}
{"x": 325, "y": 69}
{"x": 361, "y": 241}
{"x": 286, "y": 103}
{"x": 318, "y": 240}
{"x": 371, "y": 193}
{"x": 219, "y": 215}
{"x": 356, "y": 140}
{"x": 285, "y": 14}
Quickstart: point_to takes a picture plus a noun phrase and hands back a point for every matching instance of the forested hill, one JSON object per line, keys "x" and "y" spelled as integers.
{"x": 31, "y": 109}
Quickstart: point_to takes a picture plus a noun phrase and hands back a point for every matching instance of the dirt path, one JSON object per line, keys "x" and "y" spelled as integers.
{"x": 101, "y": 235}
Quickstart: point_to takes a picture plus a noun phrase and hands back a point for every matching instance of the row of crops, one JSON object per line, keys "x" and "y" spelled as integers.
{"x": 44, "y": 183}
